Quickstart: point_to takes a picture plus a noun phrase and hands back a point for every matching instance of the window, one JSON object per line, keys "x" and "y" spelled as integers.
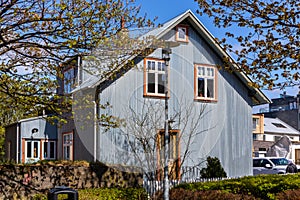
{"x": 49, "y": 150}
{"x": 182, "y": 33}
{"x": 255, "y": 123}
{"x": 32, "y": 152}
{"x": 262, "y": 149}
{"x": 68, "y": 146}
{"x": 276, "y": 138}
{"x": 154, "y": 78}
{"x": 69, "y": 79}
{"x": 279, "y": 125}
{"x": 174, "y": 153}
{"x": 254, "y": 136}
{"x": 205, "y": 82}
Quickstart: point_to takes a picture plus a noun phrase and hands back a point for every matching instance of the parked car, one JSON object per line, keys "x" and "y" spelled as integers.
{"x": 270, "y": 165}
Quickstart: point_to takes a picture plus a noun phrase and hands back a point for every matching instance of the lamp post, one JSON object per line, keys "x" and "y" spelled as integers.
{"x": 166, "y": 57}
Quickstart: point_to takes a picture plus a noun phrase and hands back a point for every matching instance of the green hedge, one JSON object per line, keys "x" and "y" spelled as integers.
{"x": 264, "y": 186}
{"x": 105, "y": 194}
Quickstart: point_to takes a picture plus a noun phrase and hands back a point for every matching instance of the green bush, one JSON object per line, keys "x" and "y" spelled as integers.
{"x": 105, "y": 194}
{"x": 213, "y": 169}
{"x": 263, "y": 186}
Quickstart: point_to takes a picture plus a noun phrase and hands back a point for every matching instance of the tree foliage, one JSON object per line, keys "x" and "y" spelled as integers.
{"x": 38, "y": 36}
{"x": 269, "y": 39}
{"x": 213, "y": 169}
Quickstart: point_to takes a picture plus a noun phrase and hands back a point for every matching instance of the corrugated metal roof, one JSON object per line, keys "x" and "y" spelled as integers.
{"x": 275, "y": 125}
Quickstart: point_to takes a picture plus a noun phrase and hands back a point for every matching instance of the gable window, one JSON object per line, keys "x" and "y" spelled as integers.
{"x": 205, "y": 82}
{"x": 69, "y": 79}
{"x": 154, "y": 77}
{"x": 182, "y": 33}
{"x": 68, "y": 146}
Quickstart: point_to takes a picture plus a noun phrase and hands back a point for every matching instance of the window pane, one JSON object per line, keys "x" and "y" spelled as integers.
{"x": 151, "y": 82}
{"x": 45, "y": 149}
{"x": 163, "y": 67}
{"x": 210, "y": 72}
{"x": 200, "y": 87}
{"x": 181, "y": 33}
{"x": 66, "y": 152}
{"x": 161, "y": 87}
{"x": 35, "y": 150}
{"x": 153, "y": 65}
{"x": 28, "y": 149}
{"x": 201, "y": 71}
{"x": 52, "y": 150}
{"x": 69, "y": 80}
{"x": 149, "y": 65}
{"x": 210, "y": 88}
{"x": 159, "y": 67}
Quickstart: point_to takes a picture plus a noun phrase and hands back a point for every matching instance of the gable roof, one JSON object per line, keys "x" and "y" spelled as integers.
{"x": 258, "y": 96}
{"x": 275, "y": 125}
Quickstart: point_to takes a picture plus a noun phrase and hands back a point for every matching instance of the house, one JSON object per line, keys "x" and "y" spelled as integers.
{"x": 286, "y": 108}
{"x": 272, "y": 130}
{"x": 208, "y": 108}
{"x": 30, "y": 140}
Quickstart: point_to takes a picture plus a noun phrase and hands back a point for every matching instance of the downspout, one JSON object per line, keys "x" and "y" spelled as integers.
{"x": 95, "y": 130}
{"x": 18, "y": 143}
{"x": 96, "y": 125}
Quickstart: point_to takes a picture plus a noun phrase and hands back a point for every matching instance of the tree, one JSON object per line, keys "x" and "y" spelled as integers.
{"x": 38, "y": 36}
{"x": 269, "y": 39}
{"x": 213, "y": 169}
{"x": 144, "y": 136}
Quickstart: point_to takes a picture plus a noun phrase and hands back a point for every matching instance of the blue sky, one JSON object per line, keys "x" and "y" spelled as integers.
{"x": 167, "y": 9}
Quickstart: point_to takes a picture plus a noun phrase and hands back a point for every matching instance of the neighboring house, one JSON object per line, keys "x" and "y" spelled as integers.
{"x": 203, "y": 98}
{"x": 31, "y": 140}
{"x": 286, "y": 108}
{"x": 273, "y": 129}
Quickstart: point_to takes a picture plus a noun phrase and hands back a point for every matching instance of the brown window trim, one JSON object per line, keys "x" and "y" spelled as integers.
{"x": 154, "y": 95}
{"x": 186, "y": 33}
{"x": 205, "y": 99}
{"x": 72, "y": 146}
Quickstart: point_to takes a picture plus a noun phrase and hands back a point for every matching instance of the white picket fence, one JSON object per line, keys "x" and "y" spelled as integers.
{"x": 188, "y": 175}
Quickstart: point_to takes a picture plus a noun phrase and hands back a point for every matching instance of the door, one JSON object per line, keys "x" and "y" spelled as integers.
{"x": 297, "y": 156}
{"x": 32, "y": 151}
{"x": 174, "y": 155}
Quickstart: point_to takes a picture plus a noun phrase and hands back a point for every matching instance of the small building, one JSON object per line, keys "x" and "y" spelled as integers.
{"x": 30, "y": 140}
{"x": 268, "y": 131}
{"x": 287, "y": 109}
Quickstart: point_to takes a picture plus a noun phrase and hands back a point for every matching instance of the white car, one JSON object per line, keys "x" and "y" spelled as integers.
{"x": 270, "y": 165}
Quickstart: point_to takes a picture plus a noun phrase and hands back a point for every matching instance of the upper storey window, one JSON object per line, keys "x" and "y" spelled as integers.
{"x": 154, "y": 77}
{"x": 205, "y": 82}
{"x": 182, "y": 33}
{"x": 69, "y": 79}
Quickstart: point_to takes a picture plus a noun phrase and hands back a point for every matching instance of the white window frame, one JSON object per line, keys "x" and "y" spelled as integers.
{"x": 182, "y": 30}
{"x": 68, "y": 145}
{"x": 69, "y": 80}
{"x": 32, "y": 157}
{"x": 47, "y": 157}
{"x": 156, "y": 67}
{"x": 206, "y": 73}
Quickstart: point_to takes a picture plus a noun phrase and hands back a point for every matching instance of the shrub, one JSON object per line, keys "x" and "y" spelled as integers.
{"x": 263, "y": 186}
{"x": 105, "y": 194}
{"x": 213, "y": 169}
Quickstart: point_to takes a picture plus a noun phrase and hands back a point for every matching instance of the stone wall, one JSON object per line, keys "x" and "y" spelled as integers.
{"x": 23, "y": 181}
